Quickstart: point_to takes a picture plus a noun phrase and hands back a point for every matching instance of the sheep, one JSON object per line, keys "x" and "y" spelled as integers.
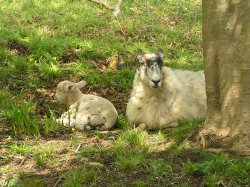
{"x": 162, "y": 96}
{"x": 85, "y": 111}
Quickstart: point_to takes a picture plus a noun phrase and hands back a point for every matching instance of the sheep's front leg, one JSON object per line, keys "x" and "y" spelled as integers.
{"x": 173, "y": 124}
{"x": 141, "y": 126}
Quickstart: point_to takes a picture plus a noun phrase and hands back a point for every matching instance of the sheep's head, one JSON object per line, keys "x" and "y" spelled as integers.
{"x": 150, "y": 67}
{"x": 67, "y": 91}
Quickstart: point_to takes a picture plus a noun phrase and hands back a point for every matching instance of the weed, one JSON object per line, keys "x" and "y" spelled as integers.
{"x": 129, "y": 151}
{"x": 122, "y": 123}
{"x": 90, "y": 151}
{"x": 40, "y": 160}
{"x": 21, "y": 119}
{"x": 159, "y": 169}
{"x": 184, "y": 129}
{"x": 132, "y": 138}
{"x": 79, "y": 178}
{"x": 98, "y": 134}
{"x": 128, "y": 160}
{"x": 140, "y": 183}
{"x": 220, "y": 167}
{"x": 50, "y": 123}
{"x": 21, "y": 149}
{"x": 49, "y": 70}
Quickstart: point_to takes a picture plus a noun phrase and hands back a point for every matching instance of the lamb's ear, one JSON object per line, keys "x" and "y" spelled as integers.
{"x": 81, "y": 84}
{"x": 70, "y": 87}
{"x": 139, "y": 56}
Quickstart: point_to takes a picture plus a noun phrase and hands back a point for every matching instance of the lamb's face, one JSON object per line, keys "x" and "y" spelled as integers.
{"x": 150, "y": 68}
{"x": 67, "y": 89}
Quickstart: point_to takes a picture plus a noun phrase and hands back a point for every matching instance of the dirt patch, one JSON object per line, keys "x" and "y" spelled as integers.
{"x": 18, "y": 48}
{"x": 68, "y": 56}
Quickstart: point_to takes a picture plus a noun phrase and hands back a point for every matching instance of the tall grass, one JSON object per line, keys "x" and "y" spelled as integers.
{"x": 21, "y": 119}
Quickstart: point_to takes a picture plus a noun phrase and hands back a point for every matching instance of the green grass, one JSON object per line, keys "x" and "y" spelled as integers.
{"x": 79, "y": 178}
{"x": 21, "y": 149}
{"x": 220, "y": 167}
{"x": 21, "y": 118}
{"x": 43, "y": 42}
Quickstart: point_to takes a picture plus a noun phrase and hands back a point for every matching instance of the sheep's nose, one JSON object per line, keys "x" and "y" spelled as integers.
{"x": 156, "y": 81}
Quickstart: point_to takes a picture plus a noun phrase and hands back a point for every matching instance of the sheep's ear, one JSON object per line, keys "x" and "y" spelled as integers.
{"x": 81, "y": 84}
{"x": 160, "y": 53}
{"x": 70, "y": 87}
{"x": 139, "y": 56}
{"x": 160, "y": 56}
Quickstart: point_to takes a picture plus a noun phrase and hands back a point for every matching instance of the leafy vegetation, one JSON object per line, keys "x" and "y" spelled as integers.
{"x": 43, "y": 42}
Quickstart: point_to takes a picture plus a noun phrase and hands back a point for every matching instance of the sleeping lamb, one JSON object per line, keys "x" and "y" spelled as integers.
{"x": 162, "y": 96}
{"x": 86, "y": 111}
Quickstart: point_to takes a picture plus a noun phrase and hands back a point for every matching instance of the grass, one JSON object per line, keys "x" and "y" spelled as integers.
{"x": 21, "y": 149}
{"x": 43, "y": 42}
{"x": 220, "y": 167}
{"x": 79, "y": 178}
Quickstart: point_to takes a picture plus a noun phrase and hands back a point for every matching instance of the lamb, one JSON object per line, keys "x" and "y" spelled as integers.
{"x": 85, "y": 111}
{"x": 162, "y": 96}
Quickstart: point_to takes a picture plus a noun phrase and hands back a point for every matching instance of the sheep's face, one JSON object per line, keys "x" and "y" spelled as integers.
{"x": 150, "y": 68}
{"x": 66, "y": 90}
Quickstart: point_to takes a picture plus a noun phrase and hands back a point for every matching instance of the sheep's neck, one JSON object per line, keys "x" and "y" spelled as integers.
{"x": 74, "y": 97}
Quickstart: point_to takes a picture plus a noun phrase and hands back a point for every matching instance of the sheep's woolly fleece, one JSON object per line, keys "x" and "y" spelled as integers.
{"x": 181, "y": 96}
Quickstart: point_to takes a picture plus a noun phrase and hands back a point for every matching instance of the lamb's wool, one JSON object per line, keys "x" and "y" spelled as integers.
{"x": 86, "y": 111}
{"x": 181, "y": 96}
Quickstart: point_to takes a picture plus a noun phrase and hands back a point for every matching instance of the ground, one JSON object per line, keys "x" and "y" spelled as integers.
{"x": 43, "y": 42}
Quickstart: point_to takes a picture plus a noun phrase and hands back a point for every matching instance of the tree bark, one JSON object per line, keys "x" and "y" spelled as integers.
{"x": 226, "y": 45}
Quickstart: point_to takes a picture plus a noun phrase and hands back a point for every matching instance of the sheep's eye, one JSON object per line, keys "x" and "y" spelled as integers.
{"x": 149, "y": 63}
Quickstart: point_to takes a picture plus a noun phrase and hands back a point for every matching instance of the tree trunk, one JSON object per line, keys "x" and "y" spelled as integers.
{"x": 226, "y": 44}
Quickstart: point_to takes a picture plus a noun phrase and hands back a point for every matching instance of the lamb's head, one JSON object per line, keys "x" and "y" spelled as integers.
{"x": 150, "y": 68}
{"x": 69, "y": 92}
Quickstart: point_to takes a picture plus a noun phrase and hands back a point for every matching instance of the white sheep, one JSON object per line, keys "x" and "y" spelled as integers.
{"x": 86, "y": 111}
{"x": 162, "y": 96}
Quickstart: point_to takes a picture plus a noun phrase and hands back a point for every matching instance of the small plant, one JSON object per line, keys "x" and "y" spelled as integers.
{"x": 21, "y": 149}
{"x": 141, "y": 183}
{"x": 128, "y": 160}
{"x": 50, "y": 123}
{"x": 220, "y": 167}
{"x": 159, "y": 169}
{"x": 21, "y": 119}
{"x": 90, "y": 151}
{"x": 122, "y": 123}
{"x": 12, "y": 182}
{"x": 79, "y": 178}
{"x": 133, "y": 138}
{"x": 161, "y": 135}
{"x": 184, "y": 129}
{"x": 49, "y": 70}
{"x": 98, "y": 134}
{"x": 40, "y": 160}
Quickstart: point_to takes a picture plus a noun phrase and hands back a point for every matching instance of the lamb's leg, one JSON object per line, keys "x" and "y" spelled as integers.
{"x": 74, "y": 109}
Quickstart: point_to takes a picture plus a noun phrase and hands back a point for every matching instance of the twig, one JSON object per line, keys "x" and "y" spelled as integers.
{"x": 117, "y": 9}
{"x": 58, "y": 180}
{"x": 23, "y": 159}
{"x": 79, "y": 146}
{"x": 95, "y": 64}
{"x": 103, "y": 4}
